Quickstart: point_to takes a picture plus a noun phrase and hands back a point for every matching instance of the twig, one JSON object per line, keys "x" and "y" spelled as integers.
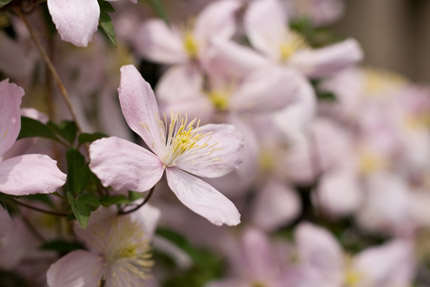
{"x": 122, "y": 212}
{"x": 49, "y": 65}
{"x": 39, "y": 209}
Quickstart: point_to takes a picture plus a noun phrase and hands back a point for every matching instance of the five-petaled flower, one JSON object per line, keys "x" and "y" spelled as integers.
{"x": 180, "y": 148}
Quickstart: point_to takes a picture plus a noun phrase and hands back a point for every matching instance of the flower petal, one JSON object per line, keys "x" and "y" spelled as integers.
{"x": 76, "y": 20}
{"x": 124, "y": 165}
{"x": 77, "y": 269}
{"x": 328, "y": 60}
{"x": 319, "y": 250}
{"x": 216, "y": 20}
{"x": 232, "y": 61}
{"x": 157, "y": 42}
{"x": 218, "y": 160}
{"x": 266, "y": 90}
{"x": 139, "y": 108}
{"x": 5, "y": 222}
{"x": 30, "y": 174}
{"x": 10, "y": 114}
{"x": 275, "y": 205}
{"x": 180, "y": 82}
{"x": 265, "y": 24}
{"x": 202, "y": 198}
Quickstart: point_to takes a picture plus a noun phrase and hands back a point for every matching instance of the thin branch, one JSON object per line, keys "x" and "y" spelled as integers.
{"x": 122, "y": 212}
{"x": 49, "y": 65}
{"x": 39, "y": 209}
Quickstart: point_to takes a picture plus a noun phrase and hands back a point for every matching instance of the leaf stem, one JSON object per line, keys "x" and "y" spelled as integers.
{"x": 123, "y": 212}
{"x": 39, "y": 209}
{"x": 49, "y": 65}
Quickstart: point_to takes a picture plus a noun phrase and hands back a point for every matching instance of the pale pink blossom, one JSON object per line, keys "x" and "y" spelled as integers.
{"x": 119, "y": 251}
{"x": 181, "y": 148}
{"x": 76, "y": 20}
{"x": 25, "y": 174}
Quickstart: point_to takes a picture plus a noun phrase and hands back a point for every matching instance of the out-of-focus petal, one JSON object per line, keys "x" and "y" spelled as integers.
{"x": 140, "y": 108}
{"x": 30, "y": 174}
{"x": 294, "y": 119}
{"x": 77, "y": 269}
{"x": 391, "y": 264}
{"x": 275, "y": 205}
{"x": 328, "y": 60}
{"x": 124, "y": 165}
{"x": 181, "y": 258}
{"x": 219, "y": 160}
{"x": 319, "y": 251}
{"x": 265, "y": 24}
{"x": 200, "y": 107}
{"x": 10, "y": 114}
{"x": 157, "y": 42}
{"x": 180, "y": 82}
{"x": 202, "y": 198}
{"x": 76, "y": 20}
{"x": 339, "y": 193}
{"x": 5, "y": 222}
{"x": 266, "y": 90}
{"x": 216, "y": 21}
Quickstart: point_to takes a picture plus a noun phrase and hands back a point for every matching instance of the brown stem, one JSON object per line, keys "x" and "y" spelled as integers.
{"x": 49, "y": 65}
{"x": 122, "y": 212}
{"x": 39, "y": 209}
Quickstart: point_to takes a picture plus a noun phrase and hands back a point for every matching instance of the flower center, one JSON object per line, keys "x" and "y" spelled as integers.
{"x": 379, "y": 83}
{"x": 190, "y": 44}
{"x": 183, "y": 138}
{"x": 219, "y": 100}
{"x": 295, "y": 43}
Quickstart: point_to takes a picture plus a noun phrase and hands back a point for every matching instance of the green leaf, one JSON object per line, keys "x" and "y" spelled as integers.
{"x": 62, "y": 246}
{"x": 66, "y": 129}
{"x": 158, "y": 8}
{"x": 108, "y": 200}
{"x": 78, "y": 172}
{"x": 106, "y": 6}
{"x": 89, "y": 138}
{"x": 133, "y": 195}
{"x": 90, "y": 199}
{"x": 107, "y": 26}
{"x": 326, "y": 96}
{"x": 81, "y": 210}
{"x": 4, "y": 2}
{"x": 33, "y": 128}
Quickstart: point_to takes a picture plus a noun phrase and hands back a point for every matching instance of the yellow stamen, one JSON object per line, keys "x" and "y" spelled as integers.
{"x": 293, "y": 44}
{"x": 190, "y": 44}
{"x": 219, "y": 99}
{"x": 380, "y": 82}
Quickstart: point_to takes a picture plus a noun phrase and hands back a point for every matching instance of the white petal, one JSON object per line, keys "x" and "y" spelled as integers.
{"x": 76, "y": 20}
{"x": 202, "y": 198}
{"x": 77, "y": 269}
{"x": 124, "y": 165}
{"x": 219, "y": 160}
{"x": 265, "y": 24}
{"x": 30, "y": 174}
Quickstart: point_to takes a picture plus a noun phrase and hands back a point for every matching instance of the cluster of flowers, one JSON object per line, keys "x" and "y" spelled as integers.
{"x": 255, "y": 120}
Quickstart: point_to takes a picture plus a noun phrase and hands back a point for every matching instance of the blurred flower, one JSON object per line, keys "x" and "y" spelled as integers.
{"x": 179, "y": 148}
{"x": 25, "y": 174}
{"x": 119, "y": 251}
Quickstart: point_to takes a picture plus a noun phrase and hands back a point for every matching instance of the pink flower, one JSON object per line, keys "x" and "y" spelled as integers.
{"x": 179, "y": 148}
{"x": 25, "y": 174}
{"x": 76, "y": 20}
{"x": 119, "y": 251}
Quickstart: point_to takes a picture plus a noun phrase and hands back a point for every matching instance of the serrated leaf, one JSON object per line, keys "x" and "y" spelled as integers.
{"x": 81, "y": 210}
{"x": 33, "y": 128}
{"x": 107, "y": 26}
{"x": 4, "y": 2}
{"x": 78, "y": 172}
{"x": 89, "y": 138}
{"x": 106, "y": 6}
{"x": 108, "y": 200}
{"x": 66, "y": 129}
